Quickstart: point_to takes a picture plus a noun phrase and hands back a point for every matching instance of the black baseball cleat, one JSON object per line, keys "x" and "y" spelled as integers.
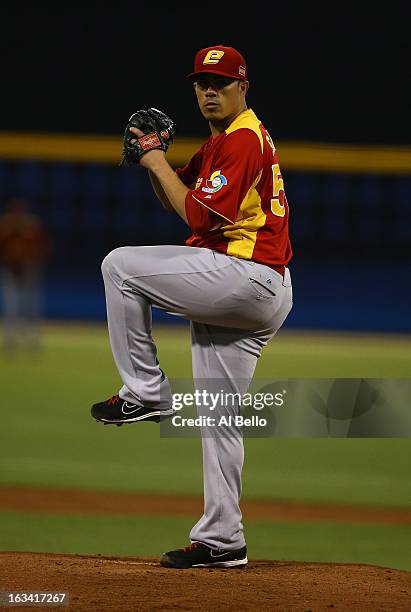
{"x": 200, "y": 555}
{"x": 117, "y": 411}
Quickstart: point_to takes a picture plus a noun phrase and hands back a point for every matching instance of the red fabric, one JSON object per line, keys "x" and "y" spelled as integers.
{"x": 225, "y": 61}
{"x": 239, "y": 159}
{"x": 273, "y": 244}
{"x": 188, "y": 174}
{"x": 224, "y": 153}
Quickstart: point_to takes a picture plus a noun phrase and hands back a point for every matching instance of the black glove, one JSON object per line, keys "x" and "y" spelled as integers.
{"x": 158, "y": 134}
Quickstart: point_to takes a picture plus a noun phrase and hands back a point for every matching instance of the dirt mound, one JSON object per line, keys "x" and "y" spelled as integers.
{"x": 100, "y": 584}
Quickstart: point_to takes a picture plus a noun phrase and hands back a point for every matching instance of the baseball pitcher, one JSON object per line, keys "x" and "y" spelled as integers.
{"x": 230, "y": 280}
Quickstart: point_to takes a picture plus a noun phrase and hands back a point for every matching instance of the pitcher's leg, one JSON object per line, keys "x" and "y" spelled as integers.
{"x": 130, "y": 322}
{"x": 171, "y": 277}
{"x": 222, "y": 359}
{"x": 196, "y": 283}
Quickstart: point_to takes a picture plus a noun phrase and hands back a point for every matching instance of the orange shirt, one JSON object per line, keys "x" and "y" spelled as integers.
{"x": 237, "y": 204}
{"x": 23, "y": 241}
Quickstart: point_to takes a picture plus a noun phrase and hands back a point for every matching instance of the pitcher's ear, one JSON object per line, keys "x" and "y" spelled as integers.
{"x": 244, "y": 86}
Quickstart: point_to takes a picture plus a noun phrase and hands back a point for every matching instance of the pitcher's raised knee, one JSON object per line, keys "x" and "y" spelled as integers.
{"x": 123, "y": 262}
{"x": 113, "y": 262}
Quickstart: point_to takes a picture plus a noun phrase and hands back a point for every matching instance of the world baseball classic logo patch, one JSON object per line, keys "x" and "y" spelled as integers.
{"x": 215, "y": 182}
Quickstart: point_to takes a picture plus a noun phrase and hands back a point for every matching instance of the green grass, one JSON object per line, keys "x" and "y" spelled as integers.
{"x": 329, "y": 355}
{"x": 147, "y": 536}
{"x": 48, "y": 437}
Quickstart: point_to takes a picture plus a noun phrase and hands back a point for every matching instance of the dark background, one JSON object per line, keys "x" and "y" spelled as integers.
{"x": 316, "y": 74}
{"x": 320, "y": 75}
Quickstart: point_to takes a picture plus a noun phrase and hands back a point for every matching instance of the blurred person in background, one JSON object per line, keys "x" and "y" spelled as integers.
{"x": 24, "y": 246}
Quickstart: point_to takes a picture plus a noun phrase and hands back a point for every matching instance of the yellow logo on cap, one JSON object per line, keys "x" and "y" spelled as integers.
{"x": 213, "y": 57}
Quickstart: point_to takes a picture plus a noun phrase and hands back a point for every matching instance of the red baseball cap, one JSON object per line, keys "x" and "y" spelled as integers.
{"x": 225, "y": 61}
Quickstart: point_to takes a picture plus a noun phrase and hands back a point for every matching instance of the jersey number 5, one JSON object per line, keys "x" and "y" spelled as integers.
{"x": 279, "y": 199}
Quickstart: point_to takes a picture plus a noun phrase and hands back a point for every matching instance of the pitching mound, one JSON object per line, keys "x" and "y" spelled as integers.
{"x": 130, "y": 583}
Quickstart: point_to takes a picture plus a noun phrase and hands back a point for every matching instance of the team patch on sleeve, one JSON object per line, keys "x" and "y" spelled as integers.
{"x": 216, "y": 182}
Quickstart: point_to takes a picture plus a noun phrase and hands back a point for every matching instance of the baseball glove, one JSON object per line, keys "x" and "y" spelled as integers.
{"x": 158, "y": 134}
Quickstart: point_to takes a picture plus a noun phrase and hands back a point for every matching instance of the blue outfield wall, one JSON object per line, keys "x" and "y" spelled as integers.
{"x": 351, "y": 237}
{"x": 368, "y": 296}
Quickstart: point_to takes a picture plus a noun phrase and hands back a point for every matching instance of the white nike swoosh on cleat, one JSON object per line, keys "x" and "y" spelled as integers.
{"x": 222, "y": 563}
{"x": 220, "y": 555}
{"x": 126, "y": 405}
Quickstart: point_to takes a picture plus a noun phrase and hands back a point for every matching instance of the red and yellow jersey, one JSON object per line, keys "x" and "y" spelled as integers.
{"x": 236, "y": 202}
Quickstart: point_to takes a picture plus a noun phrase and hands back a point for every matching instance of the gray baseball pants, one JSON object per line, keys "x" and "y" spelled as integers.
{"x": 235, "y": 307}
